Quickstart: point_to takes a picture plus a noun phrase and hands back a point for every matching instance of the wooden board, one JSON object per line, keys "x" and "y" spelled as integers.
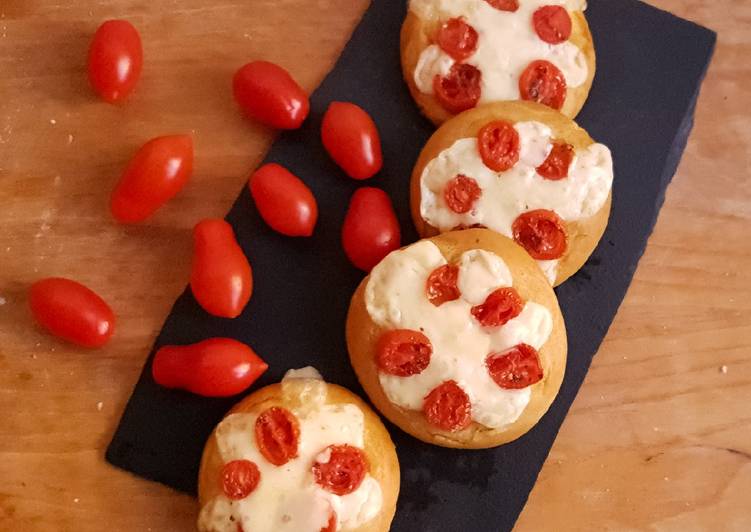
{"x": 660, "y": 435}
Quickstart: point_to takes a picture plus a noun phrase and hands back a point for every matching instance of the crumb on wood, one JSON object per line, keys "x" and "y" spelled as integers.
{"x": 99, "y": 406}
{"x": 53, "y": 121}
{"x": 3, "y": 301}
{"x": 723, "y": 369}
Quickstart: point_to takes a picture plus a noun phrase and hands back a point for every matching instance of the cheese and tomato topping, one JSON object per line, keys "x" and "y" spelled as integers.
{"x": 494, "y": 50}
{"x": 517, "y": 180}
{"x": 298, "y": 470}
{"x": 460, "y": 344}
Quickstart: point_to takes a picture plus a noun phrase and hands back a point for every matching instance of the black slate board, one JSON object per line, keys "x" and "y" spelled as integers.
{"x": 650, "y": 67}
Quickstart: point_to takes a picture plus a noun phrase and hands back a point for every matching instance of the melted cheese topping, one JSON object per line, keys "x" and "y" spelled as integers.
{"x": 507, "y": 44}
{"x": 287, "y": 498}
{"x": 506, "y": 195}
{"x": 395, "y": 299}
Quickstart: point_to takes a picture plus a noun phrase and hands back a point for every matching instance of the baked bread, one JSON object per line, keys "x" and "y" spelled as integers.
{"x": 460, "y": 53}
{"x": 298, "y": 456}
{"x": 549, "y": 187}
{"x": 458, "y": 339}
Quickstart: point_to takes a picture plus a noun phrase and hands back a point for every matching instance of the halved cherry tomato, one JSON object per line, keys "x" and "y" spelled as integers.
{"x": 460, "y": 89}
{"x": 499, "y": 308}
{"x": 285, "y": 203}
{"x": 221, "y": 278}
{"x": 217, "y": 367}
{"x": 71, "y": 311}
{"x": 239, "y": 479}
{"x": 499, "y": 145}
{"x": 542, "y": 233}
{"x": 515, "y": 368}
{"x": 277, "y": 435}
{"x": 370, "y": 230}
{"x": 267, "y": 93}
{"x": 544, "y": 83}
{"x": 442, "y": 285}
{"x": 461, "y": 194}
{"x": 115, "y": 60}
{"x": 457, "y": 38}
{"x": 403, "y": 352}
{"x": 352, "y": 140}
{"x": 344, "y": 470}
{"x": 552, "y": 24}
{"x": 559, "y": 160}
{"x": 155, "y": 174}
{"x": 504, "y": 5}
{"x": 448, "y": 407}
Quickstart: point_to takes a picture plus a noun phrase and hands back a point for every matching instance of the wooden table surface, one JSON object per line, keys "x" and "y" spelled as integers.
{"x": 660, "y": 435}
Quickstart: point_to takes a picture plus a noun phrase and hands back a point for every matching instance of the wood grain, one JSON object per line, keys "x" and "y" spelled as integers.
{"x": 660, "y": 435}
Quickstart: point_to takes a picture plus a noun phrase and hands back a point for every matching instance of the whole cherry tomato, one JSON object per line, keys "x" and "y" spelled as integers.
{"x": 155, "y": 174}
{"x": 351, "y": 138}
{"x": 370, "y": 230}
{"x": 221, "y": 278}
{"x": 71, "y": 311}
{"x": 267, "y": 93}
{"x": 115, "y": 60}
{"x": 284, "y": 201}
{"x": 218, "y": 367}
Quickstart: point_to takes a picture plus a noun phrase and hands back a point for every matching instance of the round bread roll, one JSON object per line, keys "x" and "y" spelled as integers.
{"x": 395, "y": 297}
{"x": 327, "y": 415}
{"x": 581, "y": 200}
{"x": 506, "y": 43}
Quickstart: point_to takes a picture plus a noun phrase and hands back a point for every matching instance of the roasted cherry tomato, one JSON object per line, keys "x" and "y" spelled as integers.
{"x": 499, "y": 308}
{"x": 552, "y": 24}
{"x": 286, "y": 204}
{"x": 542, "y": 233}
{"x": 457, "y": 38}
{"x": 71, "y": 311}
{"x": 460, "y": 89}
{"x": 461, "y": 194}
{"x": 516, "y": 368}
{"x": 221, "y": 278}
{"x": 442, "y": 285}
{"x": 352, "y": 140}
{"x": 267, "y": 93}
{"x": 499, "y": 145}
{"x": 115, "y": 60}
{"x": 217, "y": 367}
{"x": 403, "y": 352}
{"x": 370, "y": 230}
{"x": 344, "y": 470}
{"x": 558, "y": 162}
{"x": 544, "y": 83}
{"x": 504, "y": 5}
{"x": 448, "y": 407}
{"x": 155, "y": 174}
{"x": 239, "y": 479}
{"x": 277, "y": 435}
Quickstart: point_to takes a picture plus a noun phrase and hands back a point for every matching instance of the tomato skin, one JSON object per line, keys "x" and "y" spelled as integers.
{"x": 217, "y": 367}
{"x": 156, "y": 173}
{"x": 221, "y": 278}
{"x": 371, "y": 230}
{"x": 352, "y": 140}
{"x": 267, "y": 92}
{"x": 285, "y": 203}
{"x": 115, "y": 60}
{"x": 71, "y": 311}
